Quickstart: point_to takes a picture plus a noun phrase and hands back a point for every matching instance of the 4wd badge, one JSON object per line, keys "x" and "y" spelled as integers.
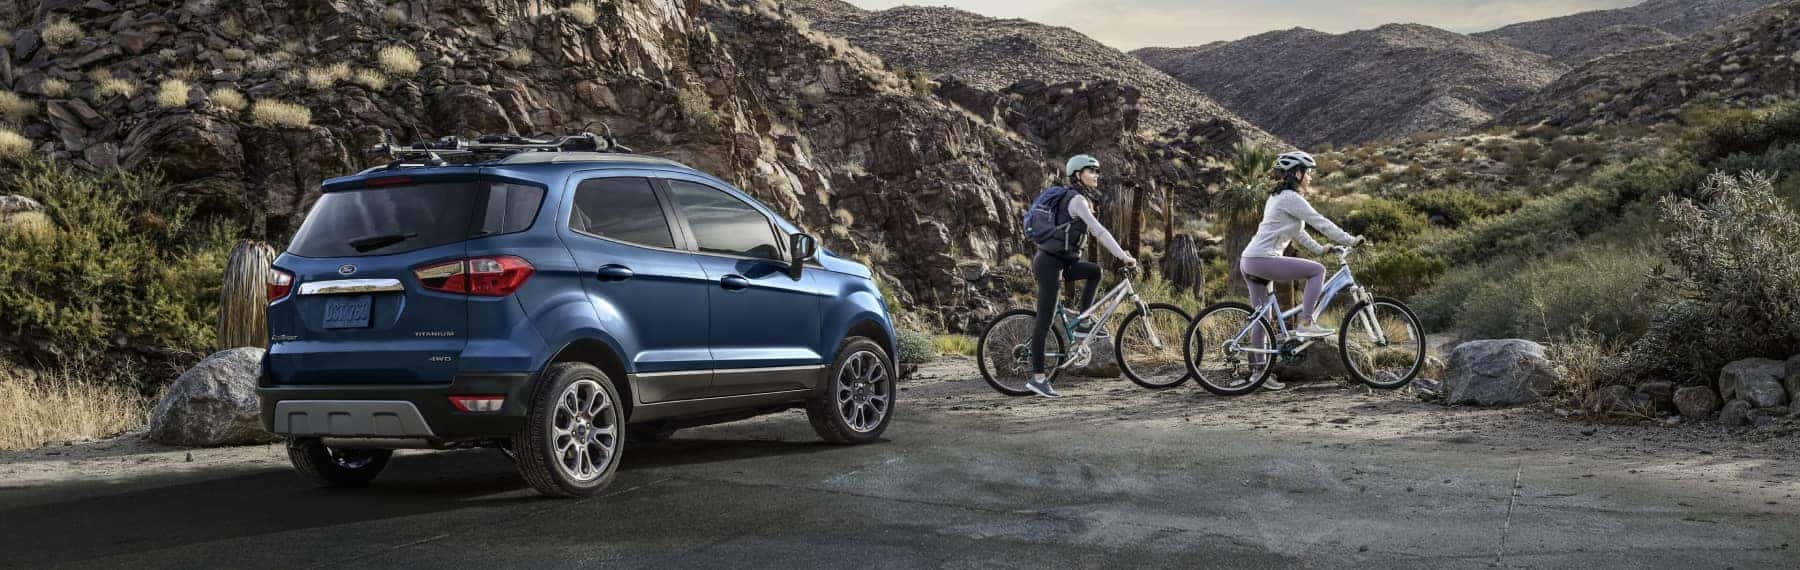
{"x": 346, "y": 269}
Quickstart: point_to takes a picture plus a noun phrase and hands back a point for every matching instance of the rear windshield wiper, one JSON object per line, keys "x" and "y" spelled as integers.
{"x": 371, "y": 243}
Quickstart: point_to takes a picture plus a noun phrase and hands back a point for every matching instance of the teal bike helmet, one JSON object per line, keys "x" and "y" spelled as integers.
{"x": 1079, "y": 162}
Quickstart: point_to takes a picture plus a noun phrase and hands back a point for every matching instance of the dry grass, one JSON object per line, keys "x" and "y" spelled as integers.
{"x": 324, "y": 76}
{"x": 231, "y": 26}
{"x": 53, "y": 87}
{"x": 189, "y": 73}
{"x": 13, "y": 145}
{"x": 270, "y": 113}
{"x": 398, "y": 61}
{"x": 236, "y": 54}
{"x": 62, "y": 408}
{"x": 106, "y": 86}
{"x": 14, "y": 109}
{"x": 1580, "y": 364}
{"x": 394, "y": 16}
{"x": 517, "y": 58}
{"x": 370, "y": 78}
{"x": 582, "y": 13}
{"x": 172, "y": 93}
{"x": 6, "y": 37}
{"x": 62, "y": 32}
{"x": 954, "y": 344}
{"x": 228, "y": 99}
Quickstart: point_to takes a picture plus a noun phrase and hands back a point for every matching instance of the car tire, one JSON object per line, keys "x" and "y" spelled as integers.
{"x": 855, "y": 401}
{"x": 333, "y": 467}
{"x": 575, "y": 415}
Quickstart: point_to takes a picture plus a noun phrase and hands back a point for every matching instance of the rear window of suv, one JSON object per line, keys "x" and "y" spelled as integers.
{"x": 399, "y": 219}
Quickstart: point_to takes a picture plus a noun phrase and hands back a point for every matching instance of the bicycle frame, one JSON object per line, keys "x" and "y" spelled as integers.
{"x": 1339, "y": 282}
{"x": 1107, "y": 306}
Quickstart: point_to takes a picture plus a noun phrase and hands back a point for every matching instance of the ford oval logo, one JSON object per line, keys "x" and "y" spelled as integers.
{"x": 346, "y": 269}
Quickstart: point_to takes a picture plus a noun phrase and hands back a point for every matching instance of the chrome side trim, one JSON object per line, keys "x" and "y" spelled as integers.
{"x": 344, "y": 286}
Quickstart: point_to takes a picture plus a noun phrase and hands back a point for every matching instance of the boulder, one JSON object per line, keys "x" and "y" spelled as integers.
{"x": 1792, "y": 376}
{"x": 1736, "y": 413}
{"x": 1621, "y": 399}
{"x": 1498, "y": 373}
{"x": 1104, "y": 363}
{"x": 214, "y": 403}
{"x": 1660, "y": 393}
{"x": 1696, "y": 402}
{"x": 1317, "y": 363}
{"x": 1754, "y": 380}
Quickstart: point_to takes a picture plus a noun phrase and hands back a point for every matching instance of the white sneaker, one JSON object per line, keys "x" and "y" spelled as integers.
{"x": 1313, "y": 331}
{"x": 1273, "y": 385}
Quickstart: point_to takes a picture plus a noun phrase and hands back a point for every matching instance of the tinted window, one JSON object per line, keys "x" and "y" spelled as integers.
{"x": 623, "y": 209}
{"x": 511, "y": 208}
{"x": 724, "y": 224}
{"x": 387, "y": 220}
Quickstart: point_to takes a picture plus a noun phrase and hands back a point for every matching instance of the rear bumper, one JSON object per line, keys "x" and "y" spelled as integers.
{"x": 396, "y": 411}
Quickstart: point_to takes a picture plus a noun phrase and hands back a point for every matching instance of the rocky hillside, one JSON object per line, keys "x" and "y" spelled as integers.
{"x": 1361, "y": 86}
{"x": 1750, "y": 61}
{"x": 992, "y": 53}
{"x": 1577, "y": 38}
{"x": 245, "y": 111}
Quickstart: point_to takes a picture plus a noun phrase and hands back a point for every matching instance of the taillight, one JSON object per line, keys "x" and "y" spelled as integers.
{"x": 280, "y": 283}
{"x": 496, "y": 276}
{"x": 478, "y": 404}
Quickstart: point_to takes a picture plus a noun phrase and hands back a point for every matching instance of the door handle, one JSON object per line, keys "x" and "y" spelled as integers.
{"x": 615, "y": 272}
{"x": 734, "y": 283}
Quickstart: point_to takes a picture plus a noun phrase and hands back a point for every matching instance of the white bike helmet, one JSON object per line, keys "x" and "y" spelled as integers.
{"x": 1290, "y": 160}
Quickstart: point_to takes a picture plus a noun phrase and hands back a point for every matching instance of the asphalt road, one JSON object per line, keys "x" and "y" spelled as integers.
{"x": 1029, "y": 485}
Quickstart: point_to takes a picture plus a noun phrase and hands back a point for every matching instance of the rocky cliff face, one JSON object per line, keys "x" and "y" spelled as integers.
{"x": 900, "y": 178}
{"x": 1750, "y": 61}
{"x": 992, "y": 53}
{"x": 1577, "y": 38}
{"x": 1313, "y": 88}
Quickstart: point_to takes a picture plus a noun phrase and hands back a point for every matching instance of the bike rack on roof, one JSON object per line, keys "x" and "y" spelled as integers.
{"x": 433, "y": 153}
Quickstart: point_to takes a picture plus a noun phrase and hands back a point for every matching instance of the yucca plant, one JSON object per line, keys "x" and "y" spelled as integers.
{"x": 1239, "y": 203}
{"x": 243, "y": 299}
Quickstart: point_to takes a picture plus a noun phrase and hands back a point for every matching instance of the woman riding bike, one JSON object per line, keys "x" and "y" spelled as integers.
{"x": 1285, "y": 217}
{"x": 1060, "y": 258}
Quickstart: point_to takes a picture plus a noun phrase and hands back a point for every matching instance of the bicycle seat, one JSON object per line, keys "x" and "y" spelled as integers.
{"x": 1266, "y": 284}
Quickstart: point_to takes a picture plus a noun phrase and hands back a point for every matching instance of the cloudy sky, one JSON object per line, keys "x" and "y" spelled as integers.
{"x": 1130, "y": 24}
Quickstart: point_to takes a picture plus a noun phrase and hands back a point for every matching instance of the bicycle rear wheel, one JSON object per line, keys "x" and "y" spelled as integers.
{"x": 1004, "y": 352}
{"x": 1388, "y": 360}
{"x": 1219, "y": 364}
{"x": 1148, "y": 346}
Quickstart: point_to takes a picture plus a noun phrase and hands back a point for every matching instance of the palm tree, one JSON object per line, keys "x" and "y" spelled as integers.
{"x": 1239, "y": 204}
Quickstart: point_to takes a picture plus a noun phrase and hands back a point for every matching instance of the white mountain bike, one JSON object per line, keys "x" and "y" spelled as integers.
{"x": 1147, "y": 344}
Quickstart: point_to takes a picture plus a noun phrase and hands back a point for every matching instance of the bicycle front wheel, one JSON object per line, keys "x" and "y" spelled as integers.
{"x": 1004, "y": 352}
{"x": 1214, "y": 348}
{"x": 1148, "y": 346}
{"x": 1382, "y": 343}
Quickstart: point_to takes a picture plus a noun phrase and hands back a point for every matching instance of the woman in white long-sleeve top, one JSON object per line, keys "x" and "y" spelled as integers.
{"x": 1285, "y": 218}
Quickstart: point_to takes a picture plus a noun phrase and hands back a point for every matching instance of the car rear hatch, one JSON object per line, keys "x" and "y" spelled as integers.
{"x": 371, "y": 295}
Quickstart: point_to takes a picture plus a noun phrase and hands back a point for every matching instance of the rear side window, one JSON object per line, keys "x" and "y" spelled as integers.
{"x": 622, "y": 209}
{"x": 399, "y": 219}
{"x": 724, "y": 224}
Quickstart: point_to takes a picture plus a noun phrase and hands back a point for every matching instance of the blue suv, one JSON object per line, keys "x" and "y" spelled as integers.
{"x": 555, "y": 304}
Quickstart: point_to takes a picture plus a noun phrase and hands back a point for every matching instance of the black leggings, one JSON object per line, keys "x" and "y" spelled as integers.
{"x": 1050, "y": 272}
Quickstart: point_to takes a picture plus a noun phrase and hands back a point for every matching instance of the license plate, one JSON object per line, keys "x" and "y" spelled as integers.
{"x": 347, "y": 312}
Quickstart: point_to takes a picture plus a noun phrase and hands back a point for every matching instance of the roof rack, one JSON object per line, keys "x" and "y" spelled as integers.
{"x": 433, "y": 153}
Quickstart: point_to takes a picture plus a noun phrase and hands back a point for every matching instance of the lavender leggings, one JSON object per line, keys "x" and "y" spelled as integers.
{"x": 1283, "y": 269}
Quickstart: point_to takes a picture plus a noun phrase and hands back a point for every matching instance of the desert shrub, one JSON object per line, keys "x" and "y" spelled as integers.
{"x": 228, "y": 99}
{"x": 1595, "y": 289}
{"x": 61, "y": 32}
{"x": 1537, "y": 227}
{"x": 1453, "y": 207}
{"x": 582, "y": 13}
{"x": 324, "y": 76}
{"x": 1649, "y": 179}
{"x": 13, "y": 146}
{"x": 53, "y": 87}
{"x": 123, "y": 267}
{"x": 1384, "y": 220}
{"x": 1735, "y": 262}
{"x": 1399, "y": 272}
{"x": 65, "y": 405}
{"x": 190, "y": 73}
{"x": 369, "y": 78}
{"x": 915, "y": 347}
{"x": 14, "y": 109}
{"x": 696, "y": 105}
{"x": 398, "y": 61}
{"x": 1437, "y": 304}
{"x": 1722, "y": 133}
{"x": 269, "y": 113}
{"x": 1582, "y": 370}
{"x": 172, "y": 93}
{"x": 517, "y": 58}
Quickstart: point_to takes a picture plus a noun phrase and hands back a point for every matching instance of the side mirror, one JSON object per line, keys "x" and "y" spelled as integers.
{"x": 801, "y": 247}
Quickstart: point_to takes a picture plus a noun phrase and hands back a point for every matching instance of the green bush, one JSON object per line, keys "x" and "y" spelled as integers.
{"x": 1399, "y": 272}
{"x": 915, "y": 347}
{"x": 1537, "y": 228}
{"x": 122, "y": 268}
{"x": 1453, "y": 207}
{"x": 1736, "y": 261}
{"x": 1593, "y": 290}
{"x": 1727, "y": 132}
{"x": 1384, "y": 220}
